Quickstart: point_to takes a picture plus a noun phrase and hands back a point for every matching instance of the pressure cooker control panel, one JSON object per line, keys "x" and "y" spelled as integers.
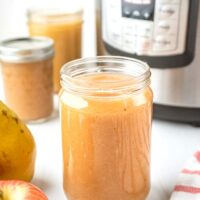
{"x": 146, "y": 27}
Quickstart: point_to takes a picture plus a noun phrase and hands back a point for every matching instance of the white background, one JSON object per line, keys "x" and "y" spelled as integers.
{"x": 172, "y": 143}
{"x": 13, "y": 18}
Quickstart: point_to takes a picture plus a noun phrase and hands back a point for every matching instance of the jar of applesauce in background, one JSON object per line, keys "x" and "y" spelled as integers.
{"x": 106, "y": 113}
{"x": 65, "y": 28}
{"x": 27, "y": 76}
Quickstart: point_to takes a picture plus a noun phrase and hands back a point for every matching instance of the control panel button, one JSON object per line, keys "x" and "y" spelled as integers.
{"x": 127, "y": 11}
{"x": 146, "y": 14}
{"x": 161, "y": 40}
{"x": 166, "y": 27}
{"x": 168, "y": 11}
{"x": 164, "y": 43}
{"x": 136, "y": 14}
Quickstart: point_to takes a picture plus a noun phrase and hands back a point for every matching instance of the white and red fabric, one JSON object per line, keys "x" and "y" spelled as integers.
{"x": 188, "y": 184}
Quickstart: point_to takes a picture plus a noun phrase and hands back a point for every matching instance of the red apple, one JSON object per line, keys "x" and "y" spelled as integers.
{"x": 20, "y": 190}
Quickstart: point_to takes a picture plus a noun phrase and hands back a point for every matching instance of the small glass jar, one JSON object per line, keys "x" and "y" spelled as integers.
{"x": 27, "y": 76}
{"x": 106, "y": 113}
{"x": 65, "y": 28}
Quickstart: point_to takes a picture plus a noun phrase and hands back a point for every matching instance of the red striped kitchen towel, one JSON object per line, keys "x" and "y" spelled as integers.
{"x": 188, "y": 184}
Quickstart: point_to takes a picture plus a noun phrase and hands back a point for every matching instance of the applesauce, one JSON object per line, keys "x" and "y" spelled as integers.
{"x": 66, "y": 31}
{"x": 106, "y": 112}
{"x": 27, "y": 76}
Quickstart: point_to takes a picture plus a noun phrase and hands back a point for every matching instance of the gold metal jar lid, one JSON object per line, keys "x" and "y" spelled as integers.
{"x": 26, "y": 49}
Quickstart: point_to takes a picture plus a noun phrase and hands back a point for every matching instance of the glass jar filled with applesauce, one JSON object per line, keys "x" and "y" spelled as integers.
{"x": 106, "y": 114}
{"x": 27, "y": 76}
{"x": 65, "y": 28}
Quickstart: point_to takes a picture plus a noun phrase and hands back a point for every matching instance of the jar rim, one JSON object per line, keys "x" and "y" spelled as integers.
{"x": 54, "y": 15}
{"x": 137, "y": 77}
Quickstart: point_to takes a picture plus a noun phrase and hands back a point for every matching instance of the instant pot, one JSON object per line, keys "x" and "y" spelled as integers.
{"x": 166, "y": 35}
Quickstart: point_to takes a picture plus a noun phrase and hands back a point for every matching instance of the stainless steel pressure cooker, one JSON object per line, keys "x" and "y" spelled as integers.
{"x": 166, "y": 35}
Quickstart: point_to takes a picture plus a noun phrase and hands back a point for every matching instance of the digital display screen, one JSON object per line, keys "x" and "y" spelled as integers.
{"x": 139, "y": 1}
{"x": 138, "y": 9}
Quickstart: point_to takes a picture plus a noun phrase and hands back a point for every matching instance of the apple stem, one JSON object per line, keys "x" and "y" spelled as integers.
{"x": 1, "y": 195}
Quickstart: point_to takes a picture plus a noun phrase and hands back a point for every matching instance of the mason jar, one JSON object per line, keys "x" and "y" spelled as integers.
{"x": 64, "y": 26}
{"x": 27, "y": 76}
{"x": 106, "y": 114}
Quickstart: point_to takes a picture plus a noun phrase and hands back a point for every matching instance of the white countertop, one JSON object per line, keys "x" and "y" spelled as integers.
{"x": 172, "y": 145}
